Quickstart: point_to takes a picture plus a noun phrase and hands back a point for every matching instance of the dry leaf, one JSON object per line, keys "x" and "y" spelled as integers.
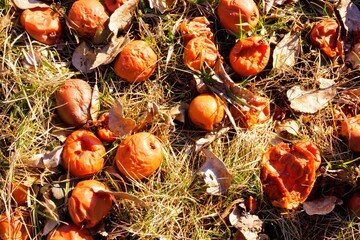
{"x": 162, "y": 5}
{"x": 287, "y": 51}
{"x": 350, "y": 15}
{"x": 117, "y": 123}
{"x": 50, "y": 224}
{"x": 49, "y": 160}
{"x": 209, "y": 138}
{"x": 286, "y": 127}
{"x": 121, "y": 18}
{"x": 95, "y": 103}
{"x": 249, "y": 225}
{"x": 215, "y": 174}
{"x": 310, "y": 101}
{"x": 31, "y": 59}
{"x": 28, "y": 4}
{"x": 179, "y": 111}
{"x": 151, "y": 112}
{"x": 321, "y": 206}
{"x": 122, "y": 195}
{"x": 83, "y": 58}
{"x": 107, "y": 53}
{"x": 353, "y": 56}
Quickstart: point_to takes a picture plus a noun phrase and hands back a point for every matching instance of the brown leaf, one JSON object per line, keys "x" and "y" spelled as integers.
{"x": 287, "y": 51}
{"x": 179, "y": 111}
{"x": 49, "y": 160}
{"x": 95, "y": 103}
{"x": 215, "y": 174}
{"x": 162, "y": 5}
{"x": 209, "y": 138}
{"x": 248, "y": 224}
{"x": 117, "y": 122}
{"x": 310, "y": 101}
{"x": 29, "y": 4}
{"x": 321, "y": 206}
{"x": 106, "y": 54}
{"x": 83, "y": 58}
{"x": 287, "y": 127}
{"x": 50, "y": 224}
{"x": 31, "y": 59}
{"x": 121, "y": 18}
{"x": 353, "y": 56}
{"x": 350, "y": 15}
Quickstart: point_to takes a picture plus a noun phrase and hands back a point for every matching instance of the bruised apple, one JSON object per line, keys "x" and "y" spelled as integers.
{"x": 257, "y": 112}
{"x": 325, "y": 36}
{"x": 87, "y": 204}
{"x": 69, "y": 231}
{"x": 200, "y": 52}
{"x": 238, "y": 15}
{"x": 195, "y": 27}
{"x": 250, "y": 55}
{"x": 42, "y": 24}
{"x": 288, "y": 173}
{"x": 73, "y": 100}
{"x": 350, "y": 129}
{"x": 83, "y": 153}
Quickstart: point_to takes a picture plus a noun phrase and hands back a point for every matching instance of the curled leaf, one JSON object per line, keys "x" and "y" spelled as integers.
{"x": 268, "y": 4}
{"x": 117, "y": 122}
{"x": 29, "y": 4}
{"x": 321, "y": 206}
{"x": 58, "y": 191}
{"x": 49, "y": 160}
{"x": 95, "y": 103}
{"x": 287, "y": 51}
{"x": 287, "y": 127}
{"x": 179, "y": 111}
{"x": 120, "y": 19}
{"x": 215, "y": 174}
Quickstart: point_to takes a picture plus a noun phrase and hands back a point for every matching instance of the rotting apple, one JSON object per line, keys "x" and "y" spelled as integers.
{"x": 86, "y": 16}
{"x": 237, "y": 16}
{"x": 103, "y": 130}
{"x": 69, "y": 232}
{"x": 195, "y": 27}
{"x": 15, "y": 226}
{"x": 200, "y": 52}
{"x": 350, "y": 129}
{"x": 325, "y": 36}
{"x": 257, "y": 112}
{"x": 83, "y": 154}
{"x": 354, "y": 203}
{"x": 250, "y": 55}
{"x": 136, "y": 62}
{"x": 88, "y": 205}
{"x": 42, "y": 24}
{"x": 288, "y": 173}
{"x": 73, "y": 100}
{"x": 139, "y": 155}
